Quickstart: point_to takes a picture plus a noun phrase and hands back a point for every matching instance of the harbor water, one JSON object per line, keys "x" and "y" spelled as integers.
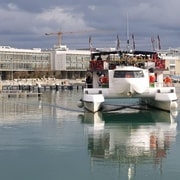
{"x": 50, "y": 138}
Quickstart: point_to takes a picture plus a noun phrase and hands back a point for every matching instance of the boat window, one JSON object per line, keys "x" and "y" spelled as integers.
{"x": 128, "y": 74}
{"x": 138, "y": 74}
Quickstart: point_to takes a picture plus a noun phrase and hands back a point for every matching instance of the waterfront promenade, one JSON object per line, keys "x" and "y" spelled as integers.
{"x": 45, "y": 83}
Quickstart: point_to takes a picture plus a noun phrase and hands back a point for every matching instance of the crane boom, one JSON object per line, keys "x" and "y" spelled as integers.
{"x": 59, "y": 34}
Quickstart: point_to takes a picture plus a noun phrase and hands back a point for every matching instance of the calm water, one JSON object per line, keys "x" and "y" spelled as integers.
{"x": 51, "y": 139}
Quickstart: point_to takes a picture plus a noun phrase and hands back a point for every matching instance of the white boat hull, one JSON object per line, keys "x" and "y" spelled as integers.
{"x": 163, "y": 105}
{"x": 92, "y": 106}
{"x": 163, "y": 98}
{"x": 166, "y": 100}
{"x": 93, "y": 102}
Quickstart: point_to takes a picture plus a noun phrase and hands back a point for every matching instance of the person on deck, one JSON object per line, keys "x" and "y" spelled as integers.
{"x": 99, "y": 63}
{"x": 99, "y": 58}
{"x": 89, "y": 81}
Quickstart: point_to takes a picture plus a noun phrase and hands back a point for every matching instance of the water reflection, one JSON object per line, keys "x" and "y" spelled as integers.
{"x": 130, "y": 138}
{"x": 13, "y": 111}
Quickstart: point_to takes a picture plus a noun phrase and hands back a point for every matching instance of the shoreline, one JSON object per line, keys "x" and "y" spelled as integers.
{"x": 40, "y": 84}
{"x": 45, "y": 81}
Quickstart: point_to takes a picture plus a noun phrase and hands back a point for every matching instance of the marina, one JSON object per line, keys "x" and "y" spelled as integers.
{"x": 44, "y": 133}
{"x": 89, "y": 90}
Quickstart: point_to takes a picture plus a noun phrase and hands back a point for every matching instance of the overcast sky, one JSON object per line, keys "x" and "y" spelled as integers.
{"x": 25, "y": 22}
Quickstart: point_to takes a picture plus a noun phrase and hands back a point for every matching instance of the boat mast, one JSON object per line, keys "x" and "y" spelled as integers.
{"x": 127, "y": 26}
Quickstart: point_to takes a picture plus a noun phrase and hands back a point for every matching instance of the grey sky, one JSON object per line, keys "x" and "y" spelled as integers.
{"x": 24, "y": 23}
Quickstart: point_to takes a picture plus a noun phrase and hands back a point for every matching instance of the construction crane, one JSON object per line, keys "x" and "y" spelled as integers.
{"x": 59, "y": 34}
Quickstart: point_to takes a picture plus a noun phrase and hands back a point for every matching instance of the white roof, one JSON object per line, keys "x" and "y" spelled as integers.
{"x": 11, "y": 49}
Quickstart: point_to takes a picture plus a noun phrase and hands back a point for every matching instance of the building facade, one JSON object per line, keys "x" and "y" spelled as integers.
{"x": 35, "y": 63}
{"x": 69, "y": 64}
{"x": 172, "y": 58}
{"x": 21, "y": 63}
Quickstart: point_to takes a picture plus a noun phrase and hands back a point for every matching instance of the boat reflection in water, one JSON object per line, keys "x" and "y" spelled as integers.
{"x": 130, "y": 138}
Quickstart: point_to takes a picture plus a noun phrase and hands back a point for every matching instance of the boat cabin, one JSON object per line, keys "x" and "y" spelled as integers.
{"x": 104, "y": 63}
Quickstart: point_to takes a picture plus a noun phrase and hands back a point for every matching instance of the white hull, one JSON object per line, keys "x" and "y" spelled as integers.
{"x": 163, "y": 105}
{"x": 93, "y": 102}
{"x": 163, "y": 98}
{"x": 92, "y": 106}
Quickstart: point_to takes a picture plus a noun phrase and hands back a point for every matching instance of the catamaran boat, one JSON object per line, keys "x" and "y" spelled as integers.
{"x": 127, "y": 75}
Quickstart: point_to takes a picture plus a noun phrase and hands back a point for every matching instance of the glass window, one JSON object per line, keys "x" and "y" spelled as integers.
{"x": 128, "y": 74}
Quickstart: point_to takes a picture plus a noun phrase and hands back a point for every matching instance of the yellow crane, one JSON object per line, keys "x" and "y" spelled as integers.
{"x": 59, "y": 34}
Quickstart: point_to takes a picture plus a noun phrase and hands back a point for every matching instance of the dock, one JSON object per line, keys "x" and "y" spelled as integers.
{"x": 35, "y": 87}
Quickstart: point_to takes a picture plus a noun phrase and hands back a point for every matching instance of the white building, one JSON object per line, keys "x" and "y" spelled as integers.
{"x": 69, "y": 63}
{"x": 18, "y": 62}
{"x": 172, "y": 57}
{"x": 58, "y": 62}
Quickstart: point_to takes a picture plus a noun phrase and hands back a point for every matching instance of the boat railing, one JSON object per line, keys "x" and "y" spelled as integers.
{"x": 105, "y": 65}
{"x": 98, "y": 65}
{"x": 135, "y": 61}
{"x": 158, "y": 84}
{"x": 161, "y": 84}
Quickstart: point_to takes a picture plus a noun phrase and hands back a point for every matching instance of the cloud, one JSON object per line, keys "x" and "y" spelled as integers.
{"x": 22, "y": 21}
{"x": 13, "y": 20}
{"x": 92, "y": 7}
{"x": 61, "y": 19}
{"x": 17, "y": 22}
{"x": 12, "y": 6}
